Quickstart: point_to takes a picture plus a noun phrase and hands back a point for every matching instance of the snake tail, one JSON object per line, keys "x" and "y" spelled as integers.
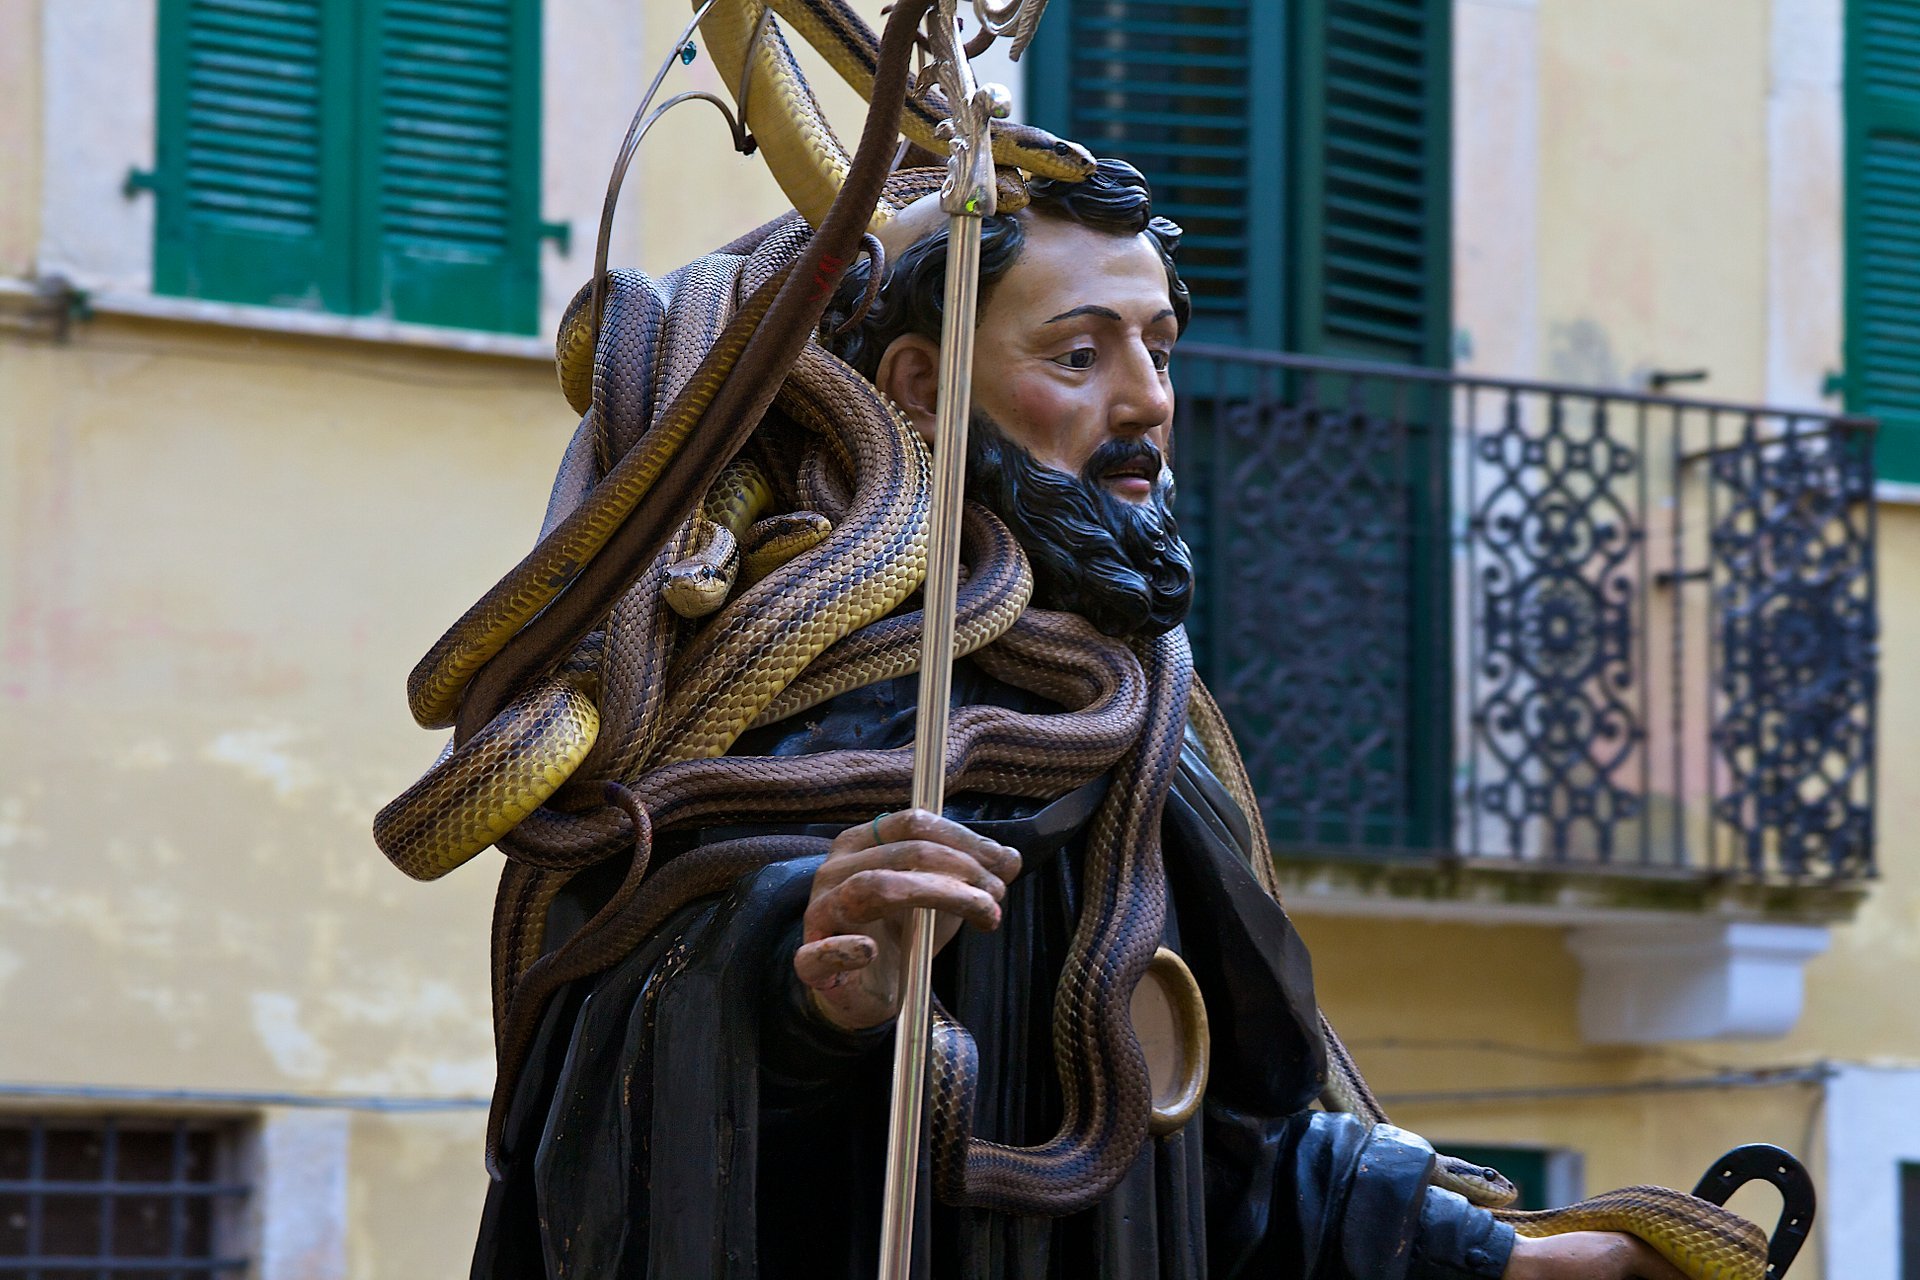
{"x": 1704, "y": 1240}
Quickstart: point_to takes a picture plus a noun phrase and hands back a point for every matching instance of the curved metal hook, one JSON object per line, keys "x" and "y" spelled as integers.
{"x": 746, "y": 68}
{"x": 637, "y": 130}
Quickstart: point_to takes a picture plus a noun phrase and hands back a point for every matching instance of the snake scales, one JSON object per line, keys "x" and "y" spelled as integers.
{"x": 576, "y": 668}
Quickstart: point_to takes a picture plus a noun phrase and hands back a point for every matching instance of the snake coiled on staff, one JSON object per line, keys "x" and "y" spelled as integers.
{"x": 592, "y": 718}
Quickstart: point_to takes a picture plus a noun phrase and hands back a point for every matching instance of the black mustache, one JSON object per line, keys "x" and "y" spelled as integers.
{"x": 1113, "y": 455}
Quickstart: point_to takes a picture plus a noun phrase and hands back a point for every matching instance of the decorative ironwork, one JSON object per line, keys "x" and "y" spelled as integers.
{"x": 1319, "y": 535}
{"x": 1659, "y": 659}
{"x": 1309, "y": 526}
{"x": 1554, "y": 600}
{"x": 1793, "y": 590}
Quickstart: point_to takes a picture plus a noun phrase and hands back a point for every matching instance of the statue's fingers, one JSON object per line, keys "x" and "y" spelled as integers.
{"x": 867, "y": 897}
{"x": 823, "y": 963}
{"x": 920, "y": 824}
{"x": 912, "y": 855}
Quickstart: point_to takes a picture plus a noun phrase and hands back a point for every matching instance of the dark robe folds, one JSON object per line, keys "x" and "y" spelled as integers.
{"x": 686, "y": 1114}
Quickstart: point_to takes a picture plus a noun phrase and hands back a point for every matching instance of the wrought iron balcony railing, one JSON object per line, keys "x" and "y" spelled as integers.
{"x": 1463, "y": 618}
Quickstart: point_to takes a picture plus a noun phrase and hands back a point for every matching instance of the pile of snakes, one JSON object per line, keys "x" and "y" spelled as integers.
{"x": 736, "y": 533}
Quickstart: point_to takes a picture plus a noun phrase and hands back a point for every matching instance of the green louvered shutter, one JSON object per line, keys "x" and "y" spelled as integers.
{"x": 1371, "y": 180}
{"x": 1883, "y": 226}
{"x": 254, "y": 176}
{"x": 450, "y": 164}
{"x": 1189, "y": 93}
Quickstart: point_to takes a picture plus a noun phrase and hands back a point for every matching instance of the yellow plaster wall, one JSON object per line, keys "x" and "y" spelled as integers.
{"x": 223, "y": 554}
{"x": 220, "y": 554}
{"x": 413, "y": 1195}
{"x": 20, "y": 128}
{"x": 1653, "y": 191}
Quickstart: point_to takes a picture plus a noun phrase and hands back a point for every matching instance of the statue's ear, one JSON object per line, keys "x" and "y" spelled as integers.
{"x": 909, "y": 375}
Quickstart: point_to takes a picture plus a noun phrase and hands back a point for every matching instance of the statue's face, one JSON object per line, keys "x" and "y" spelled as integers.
{"x": 1072, "y": 350}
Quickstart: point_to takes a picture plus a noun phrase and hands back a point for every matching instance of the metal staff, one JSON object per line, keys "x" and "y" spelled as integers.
{"x": 966, "y": 198}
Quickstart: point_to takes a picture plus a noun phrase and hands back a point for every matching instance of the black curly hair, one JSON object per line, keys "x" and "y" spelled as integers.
{"x": 1115, "y": 199}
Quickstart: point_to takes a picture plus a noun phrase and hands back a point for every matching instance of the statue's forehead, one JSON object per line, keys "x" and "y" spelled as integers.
{"x": 1064, "y": 265}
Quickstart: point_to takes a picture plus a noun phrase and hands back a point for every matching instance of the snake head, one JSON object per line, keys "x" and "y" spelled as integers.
{"x": 1042, "y": 154}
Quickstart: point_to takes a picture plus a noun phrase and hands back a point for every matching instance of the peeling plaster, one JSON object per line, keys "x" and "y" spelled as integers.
{"x": 260, "y": 754}
{"x": 293, "y": 1048}
{"x": 402, "y": 1003}
{"x": 432, "y": 1073}
{"x": 14, "y": 827}
{"x": 145, "y": 755}
{"x": 122, "y": 918}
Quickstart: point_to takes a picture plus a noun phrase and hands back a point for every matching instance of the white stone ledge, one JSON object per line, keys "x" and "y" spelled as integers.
{"x": 283, "y": 320}
{"x": 1692, "y": 980}
{"x": 1501, "y": 892}
{"x": 1665, "y": 954}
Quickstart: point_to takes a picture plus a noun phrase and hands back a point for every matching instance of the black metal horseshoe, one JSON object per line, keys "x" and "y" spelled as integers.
{"x": 1767, "y": 1163}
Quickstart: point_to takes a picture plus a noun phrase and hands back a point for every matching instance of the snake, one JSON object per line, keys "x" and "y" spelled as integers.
{"x": 800, "y": 146}
{"x": 591, "y": 717}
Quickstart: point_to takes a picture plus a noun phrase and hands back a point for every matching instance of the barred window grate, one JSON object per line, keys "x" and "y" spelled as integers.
{"x": 118, "y": 1199}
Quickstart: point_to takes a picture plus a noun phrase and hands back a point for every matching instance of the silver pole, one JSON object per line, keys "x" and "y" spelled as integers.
{"x": 967, "y": 197}
{"x": 930, "y": 736}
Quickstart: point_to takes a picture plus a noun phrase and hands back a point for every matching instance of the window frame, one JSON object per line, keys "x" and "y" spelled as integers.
{"x": 353, "y": 269}
{"x": 226, "y": 1191}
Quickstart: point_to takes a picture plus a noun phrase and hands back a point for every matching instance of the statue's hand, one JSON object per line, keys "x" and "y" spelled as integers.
{"x": 862, "y": 895}
{"x": 1588, "y": 1255}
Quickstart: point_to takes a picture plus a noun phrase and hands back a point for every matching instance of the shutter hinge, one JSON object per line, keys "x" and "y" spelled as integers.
{"x": 138, "y": 180}
{"x": 561, "y": 233}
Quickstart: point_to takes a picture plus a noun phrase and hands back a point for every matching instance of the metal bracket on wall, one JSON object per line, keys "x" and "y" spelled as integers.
{"x": 1659, "y": 380}
{"x": 44, "y": 308}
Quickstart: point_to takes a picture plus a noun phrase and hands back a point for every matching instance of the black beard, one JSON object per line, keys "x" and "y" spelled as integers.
{"x": 1120, "y": 565}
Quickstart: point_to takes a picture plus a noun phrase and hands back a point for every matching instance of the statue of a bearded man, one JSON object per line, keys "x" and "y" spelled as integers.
{"x": 714, "y": 1103}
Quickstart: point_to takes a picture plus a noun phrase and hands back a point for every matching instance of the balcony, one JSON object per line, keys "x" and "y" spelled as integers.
{"x": 1531, "y": 653}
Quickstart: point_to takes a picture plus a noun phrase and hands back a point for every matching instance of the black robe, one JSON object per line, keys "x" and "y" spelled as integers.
{"x": 686, "y": 1114}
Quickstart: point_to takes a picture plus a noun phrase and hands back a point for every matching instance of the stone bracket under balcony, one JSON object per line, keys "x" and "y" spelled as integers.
{"x": 1692, "y": 979}
{"x": 1663, "y": 956}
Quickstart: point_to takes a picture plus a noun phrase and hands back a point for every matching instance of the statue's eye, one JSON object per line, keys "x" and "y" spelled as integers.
{"x": 1078, "y": 358}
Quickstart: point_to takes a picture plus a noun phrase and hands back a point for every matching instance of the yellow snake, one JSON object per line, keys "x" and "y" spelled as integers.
{"x": 574, "y": 647}
{"x": 801, "y": 149}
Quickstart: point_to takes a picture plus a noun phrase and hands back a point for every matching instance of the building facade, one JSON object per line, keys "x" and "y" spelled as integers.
{"x": 1540, "y": 554}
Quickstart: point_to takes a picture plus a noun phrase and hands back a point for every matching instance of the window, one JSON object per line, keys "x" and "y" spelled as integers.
{"x": 366, "y": 157}
{"x": 1304, "y": 147}
{"x": 1883, "y": 226}
{"x": 118, "y": 1198}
